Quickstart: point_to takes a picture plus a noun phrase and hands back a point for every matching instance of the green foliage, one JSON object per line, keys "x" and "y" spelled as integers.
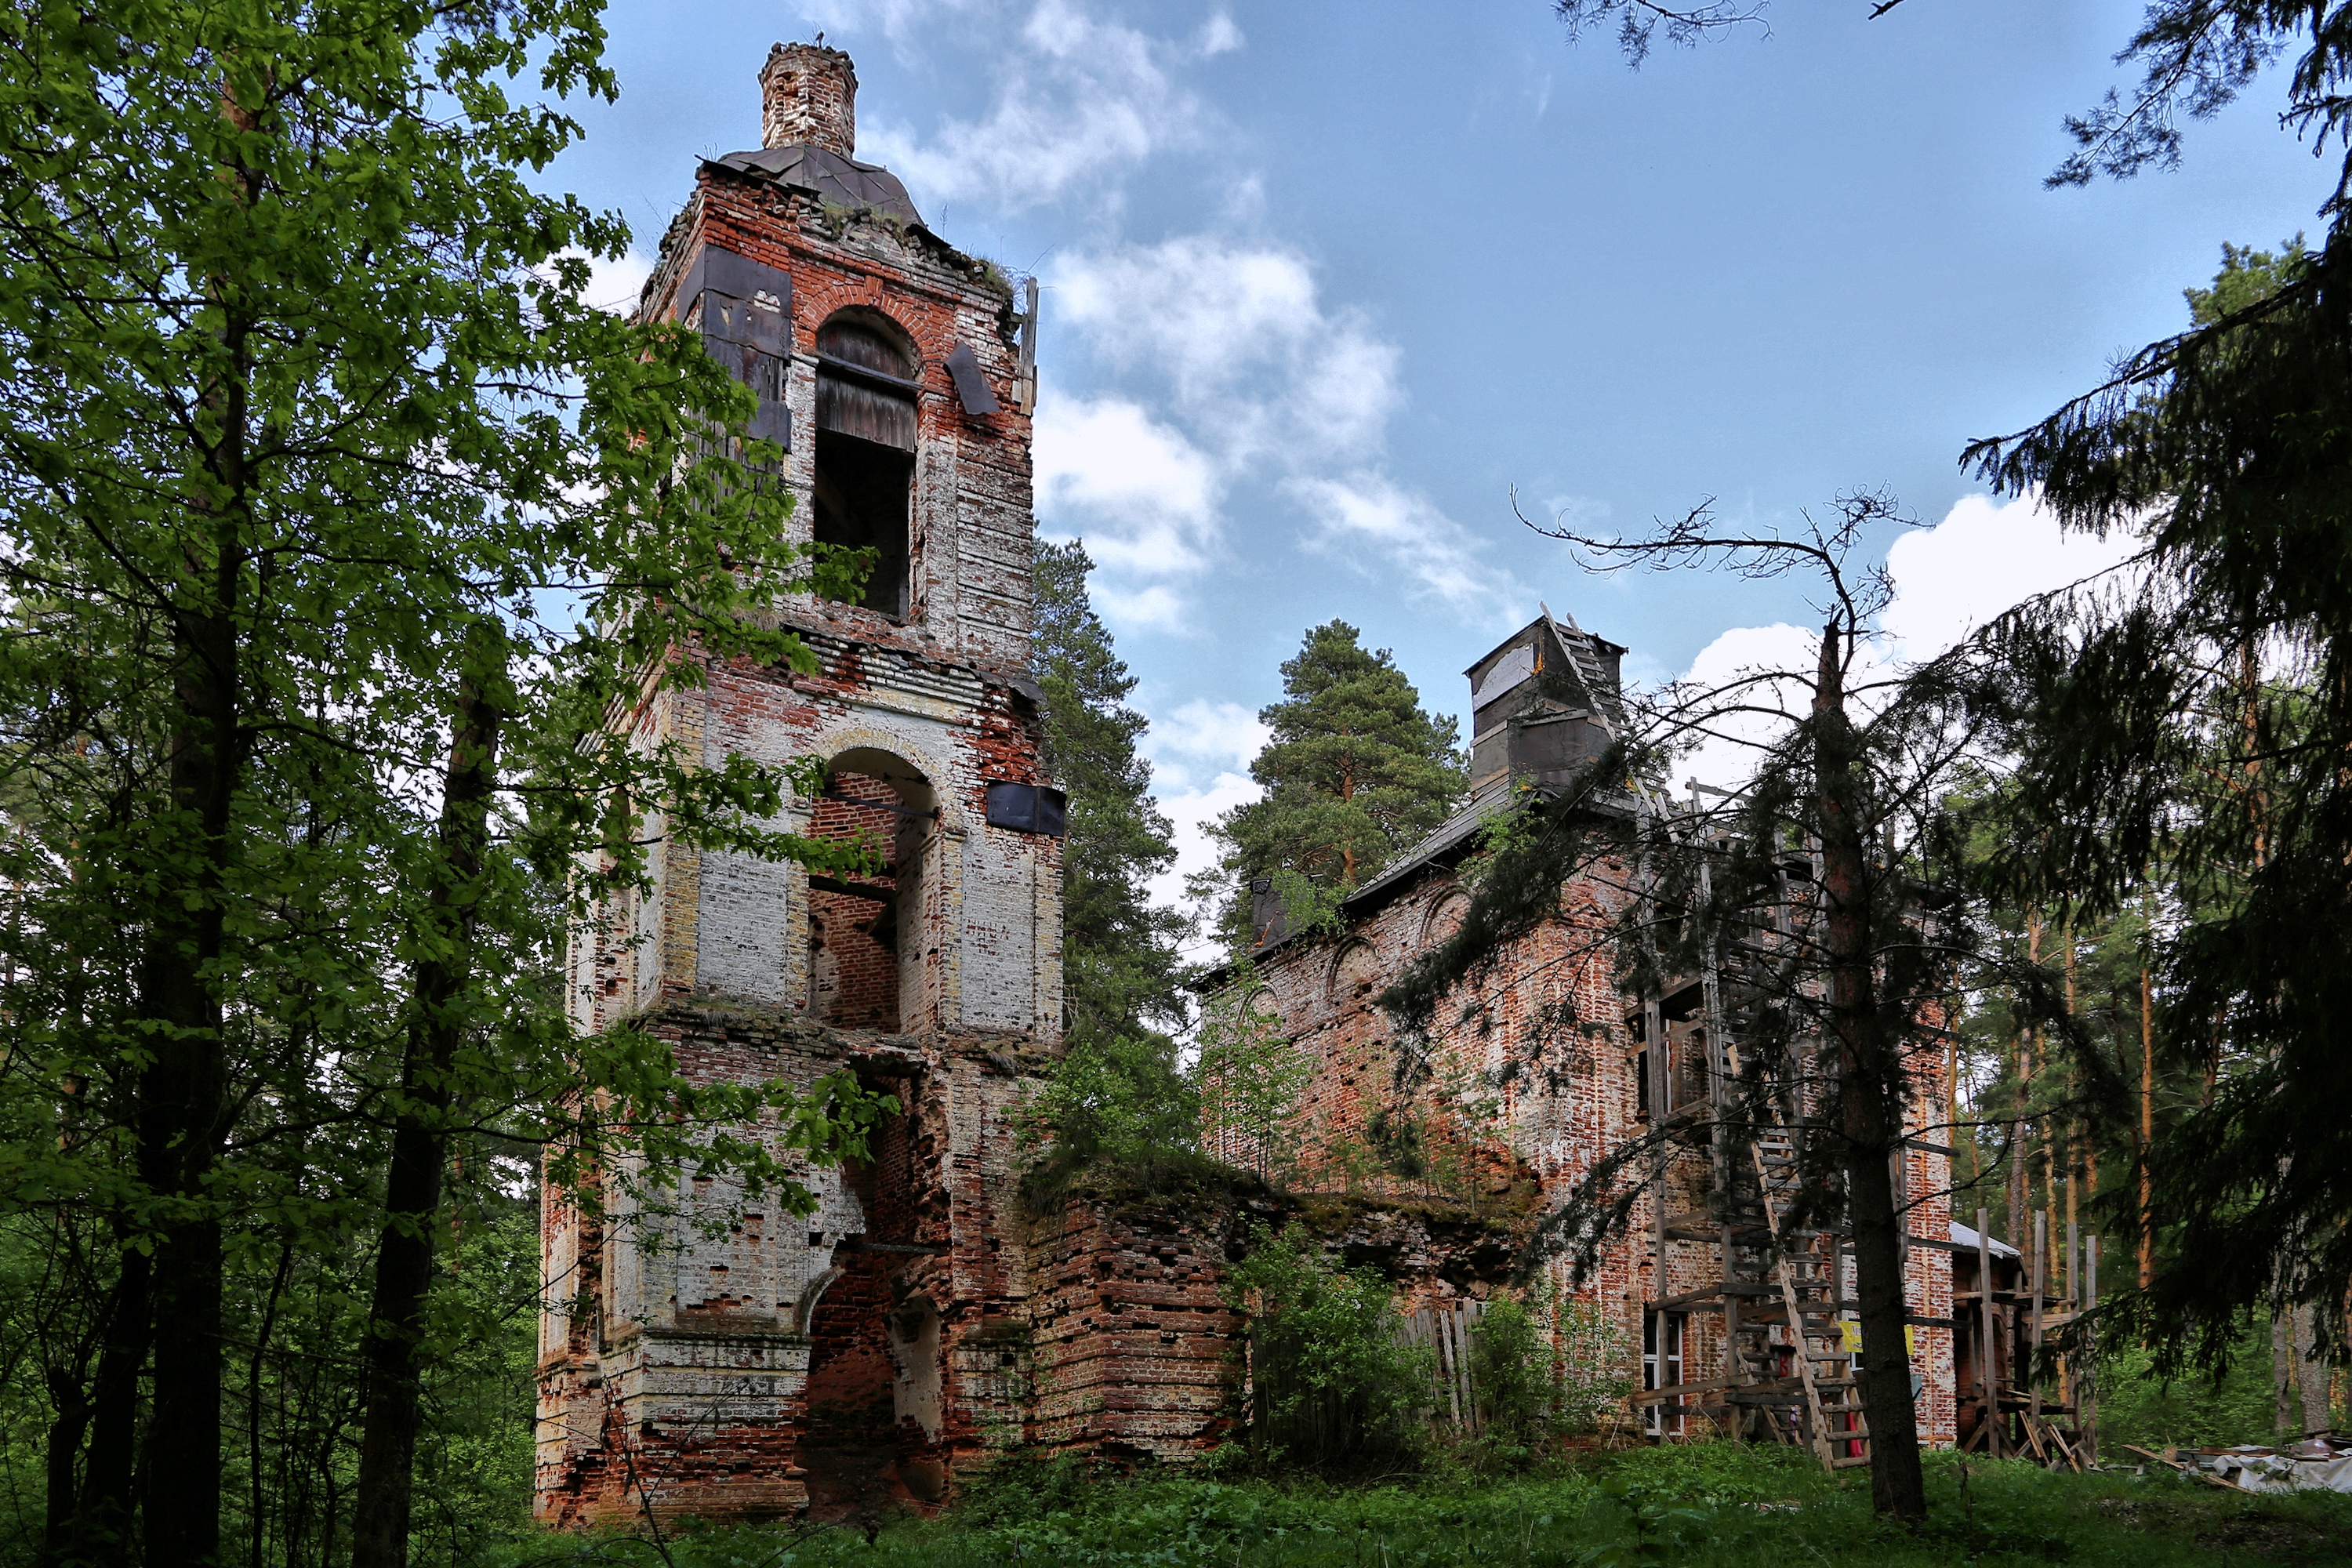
{"x": 308, "y": 452}
{"x": 1514, "y": 1378}
{"x": 1710, "y": 1505}
{"x": 2173, "y": 741}
{"x": 1116, "y": 1107}
{"x": 1337, "y": 1390}
{"x": 2137, "y": 1405}
{"x": 1118, "y": 954}
{"x": 1248, "y": 1079}
{"x": 1354, "y": 772}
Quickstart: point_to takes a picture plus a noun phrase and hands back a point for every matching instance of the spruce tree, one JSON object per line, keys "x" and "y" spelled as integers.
{"x": 1119, "y": 958}
{"x": 1355, "y": 772}
{"x": 1116, "y": 1091}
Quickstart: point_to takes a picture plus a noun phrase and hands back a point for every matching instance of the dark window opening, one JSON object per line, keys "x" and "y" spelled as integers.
{"x": 862, "y": 923}
{"x": 861, "y": 504}
{"x": 866, "y": 453}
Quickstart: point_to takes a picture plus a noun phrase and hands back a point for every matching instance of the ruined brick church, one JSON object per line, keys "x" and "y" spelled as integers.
{"x": 728, "y": 1362}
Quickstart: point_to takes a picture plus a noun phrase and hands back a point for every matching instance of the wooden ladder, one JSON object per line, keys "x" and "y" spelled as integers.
{"x": 1817, "y": 1412}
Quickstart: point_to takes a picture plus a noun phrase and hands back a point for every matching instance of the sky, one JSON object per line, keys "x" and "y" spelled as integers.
{"x": 1333, "y": 292}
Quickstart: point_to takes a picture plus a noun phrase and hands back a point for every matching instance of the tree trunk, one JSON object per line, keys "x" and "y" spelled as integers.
{"x": 69, "y": 1397}
{"x": 2147, "y": 1133}
{"x": 182, "y": 1092}
{"x": 403, "y": 1270}
{"x": 101, "y": 1526}
{"x": 1870, "y": 1068}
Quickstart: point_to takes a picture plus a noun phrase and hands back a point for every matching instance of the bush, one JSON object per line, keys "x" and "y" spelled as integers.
{"x": 2195, "y": 1410}
{"x": 1333, "y": 1387}
{"x": 1515, "y": 1379}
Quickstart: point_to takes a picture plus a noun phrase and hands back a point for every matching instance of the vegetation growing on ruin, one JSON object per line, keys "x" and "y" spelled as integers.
{"x": 1705, "y": 1506}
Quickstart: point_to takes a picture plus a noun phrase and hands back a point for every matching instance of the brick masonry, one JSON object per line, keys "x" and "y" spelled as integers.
{"x": 716, "y": 1355}
{"x": 1549, "y": 1026}
{"x": 719, "y": 1356}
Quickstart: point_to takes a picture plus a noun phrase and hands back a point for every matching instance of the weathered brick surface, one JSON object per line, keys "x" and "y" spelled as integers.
{"x": 717, "y": 1354}
{"x": 1547, "y": 1022}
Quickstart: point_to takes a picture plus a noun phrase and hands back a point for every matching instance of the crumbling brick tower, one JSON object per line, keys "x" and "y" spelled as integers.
{"x": 734, "y": 1361}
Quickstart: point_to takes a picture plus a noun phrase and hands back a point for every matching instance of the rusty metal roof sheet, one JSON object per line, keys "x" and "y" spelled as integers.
{"x": 834, "y": 179}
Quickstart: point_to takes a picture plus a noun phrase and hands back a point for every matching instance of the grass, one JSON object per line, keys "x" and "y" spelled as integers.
{"x": 1699, "y": 1506}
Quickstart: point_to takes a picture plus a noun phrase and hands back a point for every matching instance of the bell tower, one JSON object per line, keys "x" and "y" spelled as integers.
{"x": 724, "y": 1362}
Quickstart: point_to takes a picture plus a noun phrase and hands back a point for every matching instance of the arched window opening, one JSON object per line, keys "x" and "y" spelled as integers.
{"x": 866, "y": 451}
{"x": 859, "y": 924}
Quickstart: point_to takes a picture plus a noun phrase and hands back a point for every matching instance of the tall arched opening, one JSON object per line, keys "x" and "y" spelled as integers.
{"x": 864, "y": 927}
{"x": 866, "y": 399}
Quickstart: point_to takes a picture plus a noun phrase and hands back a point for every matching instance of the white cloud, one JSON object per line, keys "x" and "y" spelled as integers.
{"x": 1727, "y": 752}
{"x": 615, "y": 285}
{"x": 1142, "y": 495}
{"x": 1202, "y": 737}
{"x": 1200, "y": 752}
{"x": 1080, "y": 97}
{"x": 1219, "y": 36}
{"x": 1369, "y": 515}
{"x": 1231, "y": 344}
{"x": 1985, "y": 557}
{"x": 1190, "y": 811}
{"x": 1237, "y": 335}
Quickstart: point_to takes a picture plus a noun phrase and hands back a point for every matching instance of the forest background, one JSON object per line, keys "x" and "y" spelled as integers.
{"x": 285, "y": 1036}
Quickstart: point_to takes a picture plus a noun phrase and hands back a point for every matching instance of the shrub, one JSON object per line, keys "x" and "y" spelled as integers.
{"x": 1333, "y": 1387}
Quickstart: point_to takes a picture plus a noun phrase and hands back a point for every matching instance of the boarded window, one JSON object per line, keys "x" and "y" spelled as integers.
{"x": 865, "y": 385}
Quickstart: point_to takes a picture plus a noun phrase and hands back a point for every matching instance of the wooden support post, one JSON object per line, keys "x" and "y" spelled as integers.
{"x": 2087, "y": 1381}
{"x": 1988, "y": 1386}
{"x": 1653, "y": 1029}
{"x": 2073, "y": 1304}
{"x": 2041, "y": 1225}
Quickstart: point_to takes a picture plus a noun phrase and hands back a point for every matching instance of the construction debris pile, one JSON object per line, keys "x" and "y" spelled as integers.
{"x": 2323, "y": 1462}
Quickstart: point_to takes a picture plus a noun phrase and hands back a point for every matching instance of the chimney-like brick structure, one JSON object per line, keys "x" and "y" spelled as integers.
{"x": 809, "y": 93}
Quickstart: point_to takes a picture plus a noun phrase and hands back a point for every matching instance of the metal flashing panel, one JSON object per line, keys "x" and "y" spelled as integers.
{"x": 972, "y": 386}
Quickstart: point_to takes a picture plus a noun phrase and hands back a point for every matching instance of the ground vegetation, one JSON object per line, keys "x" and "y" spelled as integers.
{"x": 1707, "y": 1505}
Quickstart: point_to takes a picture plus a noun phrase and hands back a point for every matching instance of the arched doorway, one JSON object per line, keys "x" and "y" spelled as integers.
{"x": 872, "y": 1428}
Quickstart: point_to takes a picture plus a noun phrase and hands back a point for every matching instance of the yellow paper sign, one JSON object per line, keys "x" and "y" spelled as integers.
{"x": 1851, "y": 1332}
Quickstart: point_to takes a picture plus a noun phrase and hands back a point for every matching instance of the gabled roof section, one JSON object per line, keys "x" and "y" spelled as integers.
{"x": 1453, "y": 837}
{"x": 833, "y": 179}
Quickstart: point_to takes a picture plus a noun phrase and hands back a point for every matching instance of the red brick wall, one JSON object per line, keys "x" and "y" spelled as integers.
{"x": 1548, "y": 1016}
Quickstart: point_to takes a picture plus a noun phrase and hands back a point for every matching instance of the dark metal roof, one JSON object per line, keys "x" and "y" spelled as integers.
{"x": 1449, "y": 843}
{"x": 1455, "y": 832}
{"x": 834, "y": 179}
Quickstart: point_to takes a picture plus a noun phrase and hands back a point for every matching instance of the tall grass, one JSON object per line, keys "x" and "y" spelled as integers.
{"x": 1706, "y": 1506}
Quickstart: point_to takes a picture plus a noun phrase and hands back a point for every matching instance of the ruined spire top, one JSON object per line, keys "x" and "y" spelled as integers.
{"x": 808, "y": 93}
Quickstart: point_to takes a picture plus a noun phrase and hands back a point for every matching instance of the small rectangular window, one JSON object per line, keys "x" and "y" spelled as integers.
{"x": 1661, "y": 1367}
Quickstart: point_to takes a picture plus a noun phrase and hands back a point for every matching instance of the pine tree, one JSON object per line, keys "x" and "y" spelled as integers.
{"x": 1116, "y": 1091}
{"x": 2178, "y": 742}
{"x": 1119, "y": 958}
{"x": 1355, "y": 772}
